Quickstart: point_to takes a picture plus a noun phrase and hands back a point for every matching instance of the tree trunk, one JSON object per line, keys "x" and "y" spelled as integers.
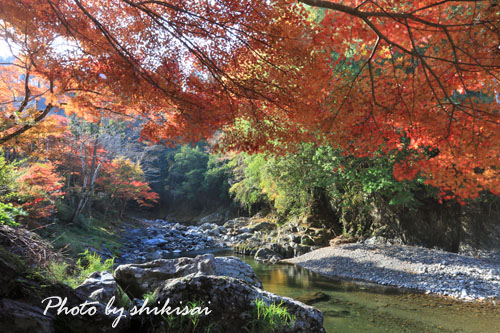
{"x": 89, "y": 178}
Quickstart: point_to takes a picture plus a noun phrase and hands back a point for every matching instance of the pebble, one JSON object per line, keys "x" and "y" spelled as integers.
{"x": 430, "y": 271}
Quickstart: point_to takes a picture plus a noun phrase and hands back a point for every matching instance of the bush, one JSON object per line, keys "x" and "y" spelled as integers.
{"x": 8, "y": 214}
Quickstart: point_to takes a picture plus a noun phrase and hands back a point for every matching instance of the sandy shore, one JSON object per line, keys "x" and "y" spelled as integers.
{"x": 426, "y": 270}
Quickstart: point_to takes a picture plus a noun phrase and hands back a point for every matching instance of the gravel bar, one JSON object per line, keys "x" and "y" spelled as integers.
{"x": 426, "y": 270}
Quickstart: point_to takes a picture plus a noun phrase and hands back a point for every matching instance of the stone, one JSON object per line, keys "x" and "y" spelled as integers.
{"x": 99, "y": 286}
{"x": 211, "y": 218}
{"x": 245, "y": 235}
{"x": 232, "y": 302}
{"x": 155, "y": 242}
{"x": 236, "y": 268}
{"x": 265, "y": 254}
{"x": 312, "y": 298}
{"x": 263, "y": 226}
{"x": 237, "y": 222}
{"x": 300, "y": 249}
{"x": 154, "y": 255}
{"x": 306, "y": 240}
{"x": 139, "y": 279}
{"x": 20, "y": 317}
{"x": 208, "y": 226}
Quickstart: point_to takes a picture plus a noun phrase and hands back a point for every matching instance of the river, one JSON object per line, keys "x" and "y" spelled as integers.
{"x": 354, "y": 307}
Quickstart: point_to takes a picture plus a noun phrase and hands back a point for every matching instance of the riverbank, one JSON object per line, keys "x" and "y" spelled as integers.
{"x": 425, "y": 270}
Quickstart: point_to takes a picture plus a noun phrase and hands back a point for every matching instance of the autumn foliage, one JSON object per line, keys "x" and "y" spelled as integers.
{"x": 415, "y": 77}
{"x": 40, "y": 186}
{"x": 123, "y": 181}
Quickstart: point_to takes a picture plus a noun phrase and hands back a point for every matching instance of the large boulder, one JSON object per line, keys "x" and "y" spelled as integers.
{"x": 232, "y": 305}
{"x": 22, "y": 310}
{"x": 236, "y": 268}
{"x": 237, "y": 222}
{"x": 99, "y": 286}
{"x": 266, "y": 254}
{"x": 138, "y": 279}
{"x": 20, "y": 317}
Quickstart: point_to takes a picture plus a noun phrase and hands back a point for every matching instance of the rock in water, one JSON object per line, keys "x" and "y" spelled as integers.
{"x": 232, "y": 305}
{"x": 265, "y": 254}
{"x": 138, "y": 279}
{"x": 314, "y": 298}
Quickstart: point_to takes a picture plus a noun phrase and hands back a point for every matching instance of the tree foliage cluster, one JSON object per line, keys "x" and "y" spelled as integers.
{"x": 79, "y": 166}
{"x": 192, "y": 176}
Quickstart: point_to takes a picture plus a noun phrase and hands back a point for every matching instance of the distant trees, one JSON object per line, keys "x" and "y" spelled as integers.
{"x": 123, "y": 180}
{"x": 195, "y": 177}
{"x": 71, "y": 162}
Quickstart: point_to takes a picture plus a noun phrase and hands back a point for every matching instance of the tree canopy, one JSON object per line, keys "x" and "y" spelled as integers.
{"x": 414, "y": 77}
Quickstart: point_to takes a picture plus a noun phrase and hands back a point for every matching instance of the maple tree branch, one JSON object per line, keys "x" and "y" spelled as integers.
{"x": 354, "y": 11}
{"x": 26, "y": 127}
{"x": 35, "y": 121}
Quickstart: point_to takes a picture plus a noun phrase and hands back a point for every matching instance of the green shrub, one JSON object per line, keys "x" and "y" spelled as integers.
{"x": 8, "y": 214}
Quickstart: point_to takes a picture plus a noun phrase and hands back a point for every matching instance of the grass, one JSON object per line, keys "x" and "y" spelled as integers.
{"x": 270, "y": 317}
{"x": 92, "y": 233}
{"x": 87, "y": 264}
{"x": 149, "y": 297}
{"x": 187, "y": 323}
{"x": 123, "y": 301}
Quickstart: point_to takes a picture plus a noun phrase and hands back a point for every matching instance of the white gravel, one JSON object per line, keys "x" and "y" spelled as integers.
{"x": 427, "y": 270}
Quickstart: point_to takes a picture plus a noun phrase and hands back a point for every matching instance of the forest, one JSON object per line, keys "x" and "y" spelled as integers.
{"x": 347, "y": 120}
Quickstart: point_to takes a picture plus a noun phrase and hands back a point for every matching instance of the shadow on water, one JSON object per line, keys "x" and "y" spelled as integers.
{"x": 364, "y": 307}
